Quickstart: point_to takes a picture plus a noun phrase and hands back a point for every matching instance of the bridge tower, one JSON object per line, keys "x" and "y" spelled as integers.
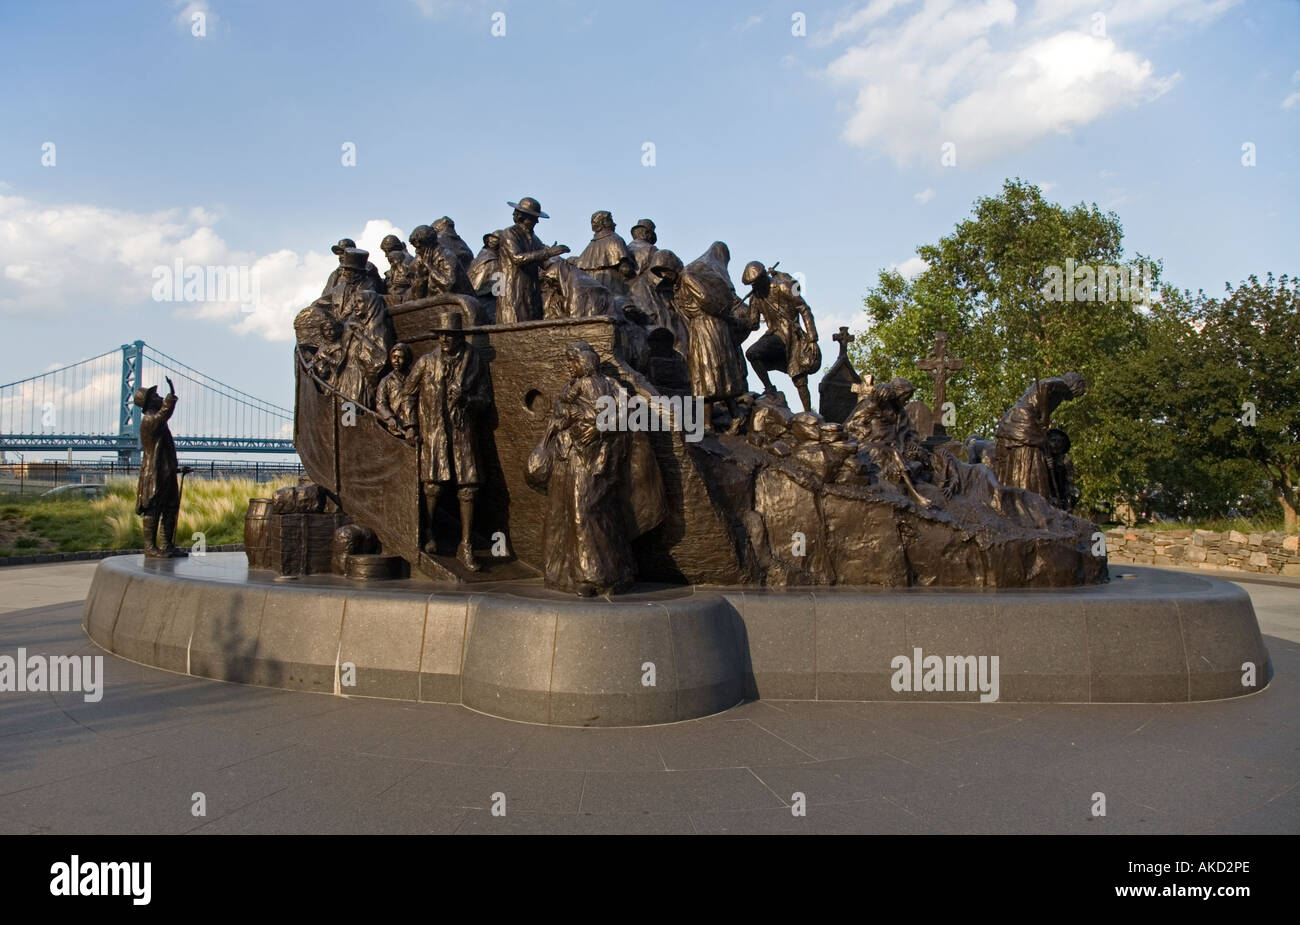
{"x": 128, "y": 427}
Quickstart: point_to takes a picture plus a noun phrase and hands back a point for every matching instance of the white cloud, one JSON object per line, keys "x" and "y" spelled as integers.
{"x": 910, "y": 268}
{"x": 434, "y": 9}
{"x": 924, "y": 196}
{"x": 991, "y": 80}
{"x": 1291, "y": 101}
{"x": 117, "y": 251}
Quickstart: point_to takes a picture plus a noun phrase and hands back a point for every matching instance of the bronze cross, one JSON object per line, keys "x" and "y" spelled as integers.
{"x": 938, "y": 364}
{"x": 864, "y": 387}
{"x": 844, "y": 338}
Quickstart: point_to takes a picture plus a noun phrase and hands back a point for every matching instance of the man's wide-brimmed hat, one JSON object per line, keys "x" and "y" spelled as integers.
{"x": 354, "y": 258}
{"x": 646, "y": 224}
{"x": 344, "y": 244}
{"x": 530, "y": 205}
{"x": 142, "y": 395}
{"x": 453, "y": 322}
{"x": 391, "y": 243}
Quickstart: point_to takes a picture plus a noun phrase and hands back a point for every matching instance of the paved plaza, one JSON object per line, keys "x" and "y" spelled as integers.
{"x": 272, "y": 761}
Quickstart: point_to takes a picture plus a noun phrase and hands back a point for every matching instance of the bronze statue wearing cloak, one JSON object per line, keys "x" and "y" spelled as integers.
{"x": 448, "y": 238}
{"x": 366, "y": 330}
{"x": 1022, "y": 434}
{"x": 606, "y": 257}
{"x": 484, "y": 267}
{"x": 705, "y": 298}
{"x": 652, "y": 292}
{"x": 603, "y": 485}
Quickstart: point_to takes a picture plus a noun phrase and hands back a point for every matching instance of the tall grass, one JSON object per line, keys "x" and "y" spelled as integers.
{"x": 213, "y": 507}
{"x": 1220, "y": 525}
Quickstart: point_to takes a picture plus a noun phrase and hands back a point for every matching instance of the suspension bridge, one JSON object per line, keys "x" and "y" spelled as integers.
{"x": 89, "y": 406}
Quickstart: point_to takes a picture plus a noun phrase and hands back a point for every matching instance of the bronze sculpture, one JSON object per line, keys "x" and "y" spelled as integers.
{"x": 365, "y": 330}
{"x": 437, "y": 271}
{"x": 448, "y": 238}
{"x": 876, "y": 502}
{"x": 401, "y": 267}
{"x": 371, "y": 276}
{"x": 584, "y": 470}
{"x": 643, "y": 244}
{"x": 881, "y": 426}
{"x": 484, "y": 269}
{"x": 394, "y": 404}
{"x": 788, "y": 346}
{"x": 706, "y": 300}
{"x": 451, "y": 391}
{"x": 1022, "y": 454}
{"x": 521, "y": 254}
{"x": 836, "y": 396}
{"x": 157, "y": 495}
{"x": 939, "y": 364}
{"x": 652, "y": 292}
{"x": 1060, "y": 470}
{"x": 606, "y": 257}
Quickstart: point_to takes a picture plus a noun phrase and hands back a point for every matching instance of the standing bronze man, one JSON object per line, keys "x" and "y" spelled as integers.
{"x": 606, "y": 258}
{"x": 521, "y": 254}
{"x": 786, "y": 347}
{"x": 452, "y": 392}
{"x": 157, "y": 495}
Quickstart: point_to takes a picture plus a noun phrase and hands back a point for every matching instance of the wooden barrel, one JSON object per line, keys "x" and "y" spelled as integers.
{"x": 259, "y": 524}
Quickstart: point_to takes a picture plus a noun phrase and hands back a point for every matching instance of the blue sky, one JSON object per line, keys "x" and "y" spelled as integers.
{"x": 821, "y": 150}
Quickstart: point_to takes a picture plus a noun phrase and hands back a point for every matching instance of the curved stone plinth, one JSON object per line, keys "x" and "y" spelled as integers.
{"x": 516, "y": 650}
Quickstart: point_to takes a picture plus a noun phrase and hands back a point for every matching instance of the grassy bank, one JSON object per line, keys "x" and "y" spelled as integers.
{"x": 31, "y": 525}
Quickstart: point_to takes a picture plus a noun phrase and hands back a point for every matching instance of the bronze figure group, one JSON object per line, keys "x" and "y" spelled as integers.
{"x": 678, "y": 330}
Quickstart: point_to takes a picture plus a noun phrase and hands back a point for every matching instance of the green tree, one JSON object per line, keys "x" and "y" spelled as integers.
{"x": 1156, "y": 408}
{"x": 1250, "y": 338}
{"x": 985, "y": 285}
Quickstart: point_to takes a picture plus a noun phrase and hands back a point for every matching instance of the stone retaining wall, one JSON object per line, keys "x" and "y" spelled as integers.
{"x": 1273, "y": 553}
